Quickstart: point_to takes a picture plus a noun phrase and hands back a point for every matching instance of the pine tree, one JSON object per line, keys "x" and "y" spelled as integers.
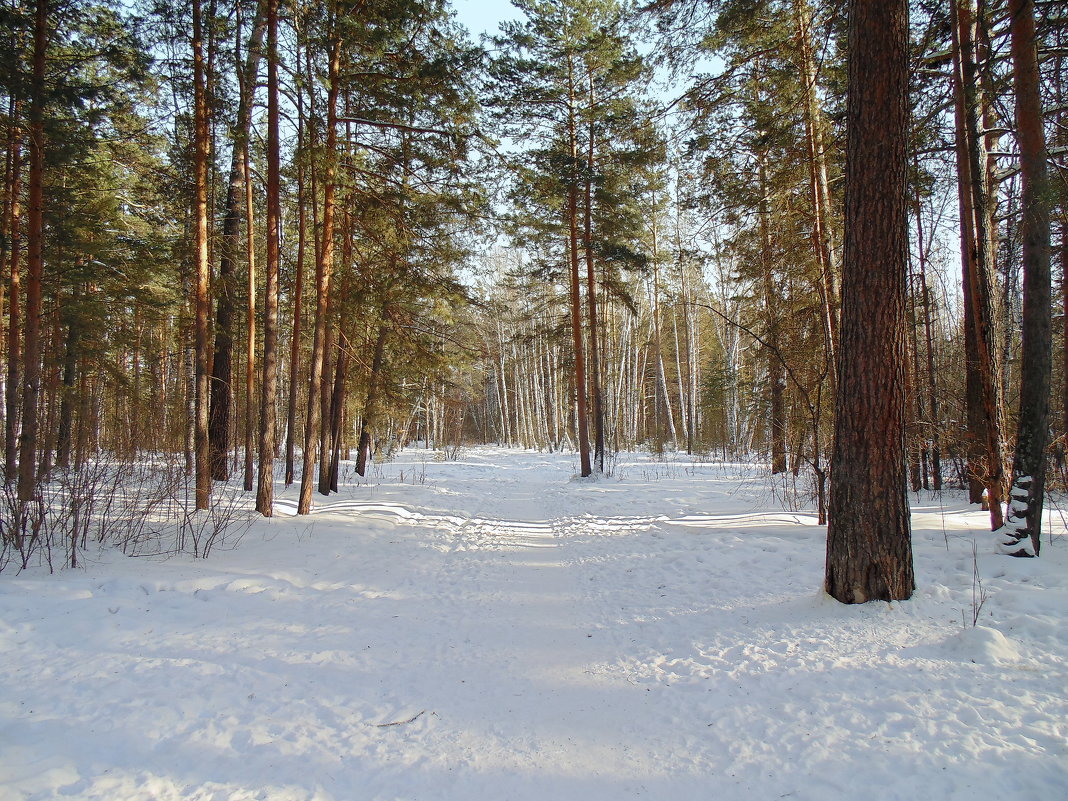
{"x": 1023, "y": 528}
{"x": 869, "y": 550}
{"x": 566, "y": 83}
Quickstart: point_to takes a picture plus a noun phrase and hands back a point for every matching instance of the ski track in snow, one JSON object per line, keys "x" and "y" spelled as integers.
{"x": 499, "y": 630}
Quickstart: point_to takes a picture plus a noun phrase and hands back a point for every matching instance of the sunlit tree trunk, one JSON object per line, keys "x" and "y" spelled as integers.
{"x": 822, "y": 229}
{"x": 869, "y": 544}
{"x": 250, "y": 332}
{"x": 591, "y": 299}
{"x": 268, "y": 384}
{"x": 201, "y": 303}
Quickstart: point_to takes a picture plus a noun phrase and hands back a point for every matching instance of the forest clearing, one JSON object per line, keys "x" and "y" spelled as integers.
{"x": 493, "y": 627}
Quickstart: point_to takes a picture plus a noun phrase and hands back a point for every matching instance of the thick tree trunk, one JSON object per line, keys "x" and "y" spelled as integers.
{"x": 268, "y": 384}
{"x": 869, "y": 546}
{"x": 1023, "y": 528}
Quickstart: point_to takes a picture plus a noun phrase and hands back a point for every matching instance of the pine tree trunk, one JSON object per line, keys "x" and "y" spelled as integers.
{"x": 1023, "y": 528}
{"x": 326, "y": 444}
{"x": 268, "y": 384}
{"x": 222, "y": 392}
{"x": 869, "y": 547}
{"x": 295, "y": 333}
{"x": 581, "y": 420}
{"x": 31, "y": 353}
{"x": 14, "y": 303}
{"x": 983, "y": 389}
{"x": 591, "y": 302}
{"x": 822, "y": 230}
{"x": 337, "y": 411}
{"x": 11, "y": 154}
{"x": 250, "y": 332}
{"x": 201, "y": 304}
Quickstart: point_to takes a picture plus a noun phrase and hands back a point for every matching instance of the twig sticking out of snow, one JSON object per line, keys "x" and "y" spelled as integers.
{"x": 400, "y": 722}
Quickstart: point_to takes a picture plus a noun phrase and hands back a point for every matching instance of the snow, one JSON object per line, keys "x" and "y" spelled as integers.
{"x": 493, "y": 629}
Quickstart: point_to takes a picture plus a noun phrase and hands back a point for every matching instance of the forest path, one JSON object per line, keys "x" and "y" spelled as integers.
{"x": 519, "y": 687}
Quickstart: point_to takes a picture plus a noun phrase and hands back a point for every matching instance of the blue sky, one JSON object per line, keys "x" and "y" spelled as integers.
{"x": 482, "y": 16}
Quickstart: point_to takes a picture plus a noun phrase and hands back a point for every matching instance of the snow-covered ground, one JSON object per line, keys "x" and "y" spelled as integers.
{"x": 492, "y": 629}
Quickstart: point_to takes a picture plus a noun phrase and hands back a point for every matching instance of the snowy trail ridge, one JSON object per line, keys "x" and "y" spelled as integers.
{"x": 499, "y": 631}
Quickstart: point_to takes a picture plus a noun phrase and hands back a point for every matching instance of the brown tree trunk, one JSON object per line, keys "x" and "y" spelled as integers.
{"x": 31, "y": 352}
{"x": 581, "y": 419}
{"x": 268, "y": 383}
{"x": 202, "y": 303}
{"x": 1023, "y": 528}
{"x": 822, "y": 229}
{"x": 14, "y": 320}
{"x": 869, "y": 546}
{"x": 985, "y": 412}
{"x": 324, "y": 266}
{"x": 222, "y": 392}
{"x": 591, "y": 303}
{"x": 298, "y": 316}
{"x": 337, "y": 411}
{"x": 250, "y": 332}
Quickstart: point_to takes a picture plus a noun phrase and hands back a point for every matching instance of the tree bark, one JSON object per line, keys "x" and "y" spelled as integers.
{"x": 268, "y": 384}
{"x": 337, "y": 411}
{"x": 985, "y": 412}
{"x": 581, "y": 419}
{"x": 222, "y": 392}
{"x": 869, "y": 547}
{"x": 202, "y": 304}
{"x": 591, "y": 300}
{"x": 14, "y": 320}
{"x": 250, "y": 333}
{"x": 31, "y": 352}
{"x": 1023, "y": 528}
{"x": 822, "y": 229}
{"x": 324, "y": 267}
